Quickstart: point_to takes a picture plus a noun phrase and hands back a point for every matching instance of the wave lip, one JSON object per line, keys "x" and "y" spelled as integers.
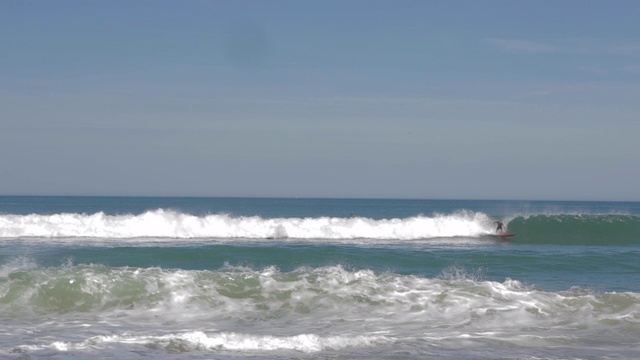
{"x": 170, "y": 224}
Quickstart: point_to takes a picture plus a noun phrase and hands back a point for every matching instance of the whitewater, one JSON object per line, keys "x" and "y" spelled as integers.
{"x": 225, "y": 278}
{"x": 172, "y": 224}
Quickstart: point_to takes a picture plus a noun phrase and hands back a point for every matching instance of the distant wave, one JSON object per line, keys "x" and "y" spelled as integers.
{"x": 171, "y": 224}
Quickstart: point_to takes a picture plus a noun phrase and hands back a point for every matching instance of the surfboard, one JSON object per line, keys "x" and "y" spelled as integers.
{"x": 505, "y": 235}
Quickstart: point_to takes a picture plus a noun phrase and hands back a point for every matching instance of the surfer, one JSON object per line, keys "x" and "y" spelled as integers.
{"x": 499, "y": 229}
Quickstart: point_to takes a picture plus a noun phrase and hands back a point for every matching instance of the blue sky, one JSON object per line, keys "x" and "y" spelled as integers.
{"x": 407, "y": 99}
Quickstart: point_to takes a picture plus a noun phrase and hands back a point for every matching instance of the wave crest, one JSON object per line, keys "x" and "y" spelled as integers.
{"x": 165, "y": 223}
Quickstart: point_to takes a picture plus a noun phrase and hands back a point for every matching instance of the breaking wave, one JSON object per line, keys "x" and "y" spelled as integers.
{"x": 223, "y": 301}
{"x": 567, "y": 229}
{"x": 164, "y": 223}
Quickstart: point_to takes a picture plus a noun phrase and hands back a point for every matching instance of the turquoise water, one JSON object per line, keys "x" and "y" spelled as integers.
{"x": 317, "y": 278}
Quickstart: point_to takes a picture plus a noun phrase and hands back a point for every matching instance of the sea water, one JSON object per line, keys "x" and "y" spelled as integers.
{"x": 241, "y": 278}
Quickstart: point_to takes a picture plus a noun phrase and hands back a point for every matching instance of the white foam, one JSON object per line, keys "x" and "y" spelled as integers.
{"x": 199, "y": 340}
{"x": 303, "y": 342}
{"x": 170, "y": 224}
{"x": 17, "y": 264}
{"x": 315, "y": 309}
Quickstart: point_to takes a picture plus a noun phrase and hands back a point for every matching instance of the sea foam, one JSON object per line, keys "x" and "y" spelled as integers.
{"x": 240, "y": 309}
{"x": 170, "y": 224}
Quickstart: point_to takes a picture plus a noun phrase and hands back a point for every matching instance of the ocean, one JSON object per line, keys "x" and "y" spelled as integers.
{"x": 268, "y": 278}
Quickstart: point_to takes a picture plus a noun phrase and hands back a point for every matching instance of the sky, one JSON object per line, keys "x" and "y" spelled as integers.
{"x": 534, "y": 100}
